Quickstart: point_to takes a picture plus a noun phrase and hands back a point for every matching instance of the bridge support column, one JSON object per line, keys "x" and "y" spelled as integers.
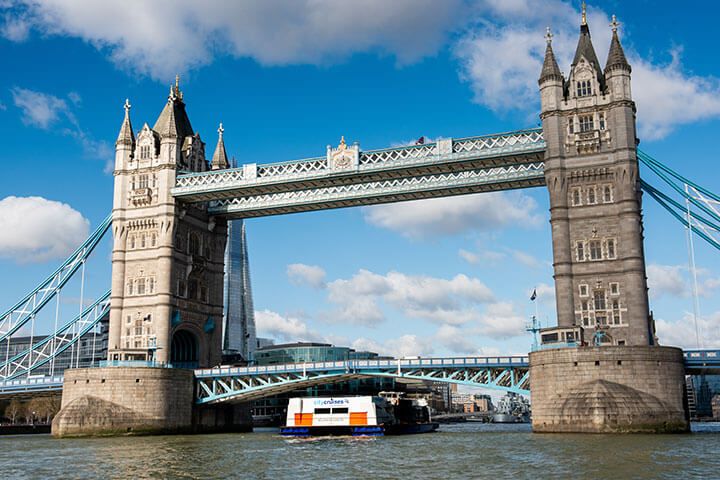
{"x": 608, "y": 390}
{"x": 139, "y": 401}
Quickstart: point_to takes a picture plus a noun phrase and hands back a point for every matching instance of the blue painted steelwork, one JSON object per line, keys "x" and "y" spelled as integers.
{"x": 239, "y": 384}
{"x": 45, "y": 350}
{"x": 32, "y": 385}
{"x": 349, "y": 177}
{"x": 27, "y": 308}
{"x": 702, "y": 361}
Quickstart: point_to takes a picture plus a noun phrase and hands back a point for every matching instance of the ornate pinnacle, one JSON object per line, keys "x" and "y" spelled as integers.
{"x": 127, "y": 106}
{"x": 549, "y": 36}
{"x": 177, "y": 81}
{"x": 342, "y": 143}
{"x": 584, "y": 13}
{"x": 614, "y": 24}
{"x": 220, "y": 131}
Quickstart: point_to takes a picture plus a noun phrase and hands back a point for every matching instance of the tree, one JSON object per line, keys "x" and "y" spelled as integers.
{"x": 13, "y": 410}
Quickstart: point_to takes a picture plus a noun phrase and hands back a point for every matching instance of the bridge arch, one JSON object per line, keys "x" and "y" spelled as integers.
{"x": 184, "y": 348}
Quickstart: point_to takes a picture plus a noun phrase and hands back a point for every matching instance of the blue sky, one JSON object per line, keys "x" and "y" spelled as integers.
{"x": 287, "y": 78}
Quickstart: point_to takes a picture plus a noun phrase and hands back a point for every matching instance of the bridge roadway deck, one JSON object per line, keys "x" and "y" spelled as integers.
{"x": 443, "y": 168}
{"x": 697, "y": 362}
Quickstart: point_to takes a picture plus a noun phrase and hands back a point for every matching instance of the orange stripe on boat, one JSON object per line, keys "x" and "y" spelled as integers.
{"x": 303, "y": 419}
{"x": 358, "y": 418}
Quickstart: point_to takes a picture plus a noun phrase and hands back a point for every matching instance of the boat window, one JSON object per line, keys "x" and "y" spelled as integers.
{"x": 322, "y": 411}
{"x": 339, "y": 410}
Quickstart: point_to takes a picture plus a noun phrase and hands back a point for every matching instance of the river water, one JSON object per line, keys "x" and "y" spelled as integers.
{"x": 467, "y": 450}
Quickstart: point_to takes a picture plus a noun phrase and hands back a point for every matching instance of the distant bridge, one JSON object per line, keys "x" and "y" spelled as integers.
{"x": 240, "y": 384}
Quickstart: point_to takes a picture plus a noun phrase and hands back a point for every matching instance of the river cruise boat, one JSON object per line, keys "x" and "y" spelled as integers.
{"x": 357, "y": 416}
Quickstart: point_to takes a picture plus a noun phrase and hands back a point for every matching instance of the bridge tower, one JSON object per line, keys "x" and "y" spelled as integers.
{"x": 623, "y": 381}
{"x": 167, "y": 293}
{"x": 168, "y": 258}
{"x": 591, "y": 170}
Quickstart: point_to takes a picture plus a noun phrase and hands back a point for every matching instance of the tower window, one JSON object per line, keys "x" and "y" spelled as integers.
{"x": 601, "y": 120}
{"x": 143, "y": 183}
{"x": 607, "y": 194}
{"x": 571, "y": 125}
{"x": 130, "y": 289}
{"x": 584, "y": 88}
{"x": 592, "y": 197}
{"x": 194, "y": 244}
{"x": 595, "y": 250}
{"x": 614, "y": 288}
{"x": 576, "y": 197}
{"x": 580, "y": 251}
{"x": 611, "y": 248}
{"x": 583, "y": 290}
{"x": 141, "y": 286}
{"x": 599, "y": 300}
{"x": 586, "y": 123}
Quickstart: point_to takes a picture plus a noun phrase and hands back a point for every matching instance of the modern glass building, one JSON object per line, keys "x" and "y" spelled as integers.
{"x": 307, "y": 352}
{"x": 239, "y": 317}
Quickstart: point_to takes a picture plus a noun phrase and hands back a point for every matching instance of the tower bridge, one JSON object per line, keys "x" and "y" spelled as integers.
{"x": 169, "y": 224}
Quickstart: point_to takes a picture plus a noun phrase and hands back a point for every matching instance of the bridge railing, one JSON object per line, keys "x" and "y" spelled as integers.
{"x": 510, "y": 361}
{"x": 371, "y": 160}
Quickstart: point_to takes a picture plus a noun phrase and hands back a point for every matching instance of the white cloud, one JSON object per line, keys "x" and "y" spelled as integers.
{"x": 481, "y": 256}
{"x": 41, "y": 109}
{"x": 456, "y": 340}
{"x": 681, "y": 333}
{"x": 452, "y": 301}
{"x": 163, "y": 37}
{"x": 306, "y": 275}
{"x": 15, "y": 29}
{"x": 284, "y": 328}
{"x": 502, "y": 57}
{"x": 526, "y": 259}
{"x": 403, "y": 346}
{"x": 47, "y": 112}
{"x": 501, "y": 321}
{"x": 453, "y": 215}
{"x": 666, "y": 280}
{"x": 34, "y": 229}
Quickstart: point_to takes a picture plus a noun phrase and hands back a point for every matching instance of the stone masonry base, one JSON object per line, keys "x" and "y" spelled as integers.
{"x": 139, "y": 400}
{"x": 608, "y": 390}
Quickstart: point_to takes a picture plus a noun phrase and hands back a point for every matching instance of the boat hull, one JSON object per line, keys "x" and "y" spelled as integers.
{"x": 359, "y": 430}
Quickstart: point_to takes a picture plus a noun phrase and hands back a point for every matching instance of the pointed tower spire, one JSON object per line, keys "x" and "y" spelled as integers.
{"x": 616, "y": 56}
{"x": 220, "y": 159}
{"x": 586, "y": 50}
{"x": 173, "y": 120}
{"x": 126, "y": 135}
{"x": 550, "y": 68}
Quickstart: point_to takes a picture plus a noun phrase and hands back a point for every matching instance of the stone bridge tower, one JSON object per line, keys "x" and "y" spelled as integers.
{"x": 622, "y": 381}
{"x": 168, "y": 258}
{"x": 591, "y": 170}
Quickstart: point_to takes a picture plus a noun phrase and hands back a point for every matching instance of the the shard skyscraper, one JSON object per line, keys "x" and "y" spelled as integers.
{"x": 239, "y": 318}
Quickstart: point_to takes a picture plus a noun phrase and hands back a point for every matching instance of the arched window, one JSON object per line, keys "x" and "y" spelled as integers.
{"x": 584, "y": 88}
{"x": 194, "y": 244}
{"x": 142, "y": 241}
{"x": 153, "y": 240}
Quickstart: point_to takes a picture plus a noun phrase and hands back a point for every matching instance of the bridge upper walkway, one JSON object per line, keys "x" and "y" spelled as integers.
{"x": 347, "y": 176}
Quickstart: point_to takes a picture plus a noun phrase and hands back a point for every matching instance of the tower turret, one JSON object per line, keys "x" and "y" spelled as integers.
{"x": 125, "y": 144}
{"x": 551, "y": 79}
{"x": 617, "y": 68}
{"x": 220, "y": 159}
